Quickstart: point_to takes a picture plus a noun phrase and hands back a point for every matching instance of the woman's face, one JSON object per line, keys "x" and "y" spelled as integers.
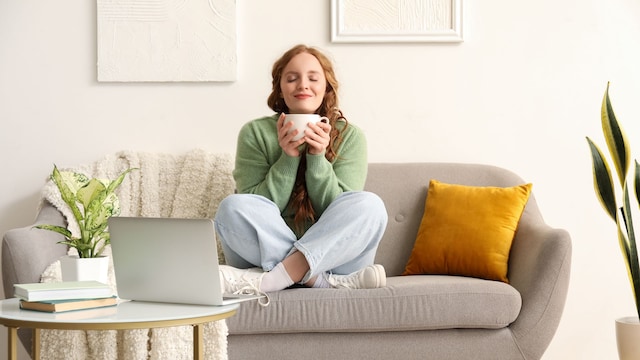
{"x": 303, "y": 84}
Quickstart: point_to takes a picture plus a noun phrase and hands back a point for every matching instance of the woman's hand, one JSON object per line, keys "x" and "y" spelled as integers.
{"x": 317, "y": 137}
{"x": 285, "y": 136}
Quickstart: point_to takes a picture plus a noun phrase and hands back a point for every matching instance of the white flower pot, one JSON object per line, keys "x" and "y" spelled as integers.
{"x": 81, "y": 269}
{"x": 628, "y": 338}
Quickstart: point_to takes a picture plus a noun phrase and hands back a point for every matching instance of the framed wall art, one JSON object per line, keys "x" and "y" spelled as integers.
{"x": 166, "y": 40}
{"x": 362, "y": 21}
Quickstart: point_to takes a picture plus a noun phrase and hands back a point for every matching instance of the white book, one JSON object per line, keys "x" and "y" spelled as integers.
{"x": 64, "y": 290}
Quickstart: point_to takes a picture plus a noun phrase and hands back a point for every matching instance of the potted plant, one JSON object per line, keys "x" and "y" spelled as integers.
{"x": 92, "y": 202}
{"x": 627, "y": 329}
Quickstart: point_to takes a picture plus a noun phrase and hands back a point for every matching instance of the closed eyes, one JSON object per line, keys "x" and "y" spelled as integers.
{"x": 293, "y": 79}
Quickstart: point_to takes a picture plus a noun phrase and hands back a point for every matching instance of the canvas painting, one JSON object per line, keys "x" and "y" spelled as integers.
{"x": 166, "y": 40}
{"x": 396, "y": 20}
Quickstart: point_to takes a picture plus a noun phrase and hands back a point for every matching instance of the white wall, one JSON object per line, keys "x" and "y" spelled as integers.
{"x": 521, "y": 92}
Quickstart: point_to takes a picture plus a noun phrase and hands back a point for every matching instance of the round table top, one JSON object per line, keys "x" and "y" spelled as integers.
{"x": 125, "y": 315}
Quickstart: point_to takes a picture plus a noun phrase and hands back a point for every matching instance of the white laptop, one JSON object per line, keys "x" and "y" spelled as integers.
{"x": 168, "y": 260}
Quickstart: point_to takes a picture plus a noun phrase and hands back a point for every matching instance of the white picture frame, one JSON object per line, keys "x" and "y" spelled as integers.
{"x": 166, "y": 41}
{"x": 388, "y": 21}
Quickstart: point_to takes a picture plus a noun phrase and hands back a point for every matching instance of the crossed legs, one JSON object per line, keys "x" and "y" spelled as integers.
{"x": 343, "y": 241}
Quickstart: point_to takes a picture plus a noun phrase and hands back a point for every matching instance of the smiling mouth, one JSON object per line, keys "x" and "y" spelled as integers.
{"x": 302, "y": 96}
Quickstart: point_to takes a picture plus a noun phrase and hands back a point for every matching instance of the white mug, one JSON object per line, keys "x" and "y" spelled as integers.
{"x": 300, "y": 122}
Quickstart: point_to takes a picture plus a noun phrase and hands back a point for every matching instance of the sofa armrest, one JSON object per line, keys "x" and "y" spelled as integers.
{"x": 26, "y": 252}
{"x": 539, "y": 267}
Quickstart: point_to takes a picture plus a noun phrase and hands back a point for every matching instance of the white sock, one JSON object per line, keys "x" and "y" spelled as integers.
{"x": 321, "y": 282}
{"x": 276, "y": 279}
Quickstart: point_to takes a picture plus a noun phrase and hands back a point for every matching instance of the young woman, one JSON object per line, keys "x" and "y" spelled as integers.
{"x": 300, "y": 215}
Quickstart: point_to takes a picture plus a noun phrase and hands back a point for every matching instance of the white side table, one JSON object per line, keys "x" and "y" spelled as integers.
{"x": 125, "y": 316}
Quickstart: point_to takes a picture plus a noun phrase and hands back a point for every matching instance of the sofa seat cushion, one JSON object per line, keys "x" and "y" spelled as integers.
{"x": 421, "y": 302}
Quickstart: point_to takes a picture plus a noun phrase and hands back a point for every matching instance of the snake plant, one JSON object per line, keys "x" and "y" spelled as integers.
{"x": 92, "y": 202}
{"x": 620, "y": 213}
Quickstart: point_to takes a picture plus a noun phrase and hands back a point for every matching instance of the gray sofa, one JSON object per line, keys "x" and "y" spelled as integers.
{"x": 413, "y": 317}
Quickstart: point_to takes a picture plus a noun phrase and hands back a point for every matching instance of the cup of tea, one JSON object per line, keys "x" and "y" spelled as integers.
{"x": 301, "y": 121}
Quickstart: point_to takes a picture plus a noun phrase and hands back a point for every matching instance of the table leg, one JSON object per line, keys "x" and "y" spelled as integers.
{"x": 198, "y": 336}
{"x": 36, "y": 344}
{"x": 12, "y": 343}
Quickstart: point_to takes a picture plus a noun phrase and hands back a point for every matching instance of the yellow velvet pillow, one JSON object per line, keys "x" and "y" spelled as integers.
{"x": 467, "y": 230}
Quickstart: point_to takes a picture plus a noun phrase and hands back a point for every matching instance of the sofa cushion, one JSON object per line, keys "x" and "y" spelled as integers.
{"x": 423, "y": 302}
{"x": 467, "y": 230}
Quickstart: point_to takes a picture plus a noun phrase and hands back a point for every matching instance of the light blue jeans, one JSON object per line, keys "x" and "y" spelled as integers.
{"x": 343, "y": 240}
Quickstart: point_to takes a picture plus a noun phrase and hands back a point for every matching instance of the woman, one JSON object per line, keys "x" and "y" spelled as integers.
{"x": 300, "y": 215}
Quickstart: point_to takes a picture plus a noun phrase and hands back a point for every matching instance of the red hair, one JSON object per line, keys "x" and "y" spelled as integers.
{"x": 299, "y": 201}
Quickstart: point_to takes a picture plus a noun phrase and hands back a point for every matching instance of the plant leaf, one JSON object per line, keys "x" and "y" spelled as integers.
{"x": 602, "y": 182}
{"x": 630, "y": 249}
{"x": 59, "y": 229}
{"x": 98, "y": 211}
{"x": 115, "y": 183}
{"x": 67, "y": 194}
{"x": 636, "y": 178}
{"x": 106, "y": 239}
{"x": 90, "y": 191}
{"x": 615, "y": 137}
{"x": 633, "y": 245}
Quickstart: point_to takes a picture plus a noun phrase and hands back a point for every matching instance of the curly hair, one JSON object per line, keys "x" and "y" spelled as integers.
{"x": 299, "y": 201}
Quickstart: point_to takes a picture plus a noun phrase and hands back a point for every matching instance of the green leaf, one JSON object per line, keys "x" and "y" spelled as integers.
{"x": 615, "y": 137}
{"x": 629, "y": 248}
{"x": 115, "y": 183}
{"x": 602, "y": 182}
{"x": 90, "y": 191}
{"x": 97, "y": 212}
{"x": 68, "y": 196}
{"x": 59, "y": 229}
{"x": 636, "y": 184}
{"x": 101, "y": 243}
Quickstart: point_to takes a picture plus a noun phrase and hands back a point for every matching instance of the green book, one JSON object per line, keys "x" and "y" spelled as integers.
{"x": 64, "y": 290}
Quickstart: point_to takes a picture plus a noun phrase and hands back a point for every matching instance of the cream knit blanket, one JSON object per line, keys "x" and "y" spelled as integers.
{"x": 190, "y": 185}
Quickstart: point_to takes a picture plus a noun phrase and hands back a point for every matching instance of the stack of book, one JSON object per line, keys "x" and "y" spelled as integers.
{"x": 64, "y": 296}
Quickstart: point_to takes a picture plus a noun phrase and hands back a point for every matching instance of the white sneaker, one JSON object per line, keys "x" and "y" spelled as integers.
{"x": 243, "y": 282}
{"x": 371, "y": 277}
